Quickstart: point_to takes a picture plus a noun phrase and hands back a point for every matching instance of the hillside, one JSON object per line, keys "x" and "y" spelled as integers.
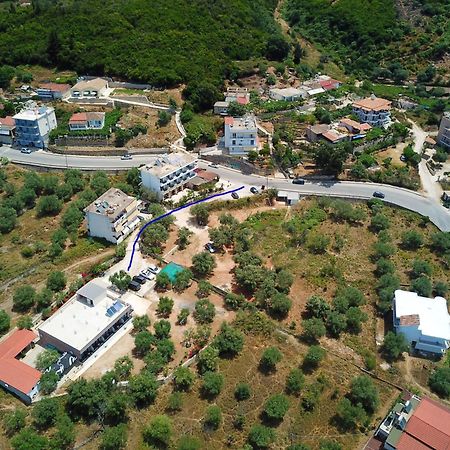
{"x": 380, "y": 38}
{"x": 163, "y": 42}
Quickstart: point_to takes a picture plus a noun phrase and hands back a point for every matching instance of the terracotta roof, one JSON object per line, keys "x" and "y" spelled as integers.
{"x": 319, "y": 129}
{"x": 412, "y": 319}
{"x": 7, "y": 121}
{"x": 329, "y": 84}
{"x": 206, "y": 174}
{"x": 373, "y": 104}
{"x": 331, "y": 136}
{"x": 78, "y": 117}
{"x": 242, "y": 100}
{"x": 55, "y": 87}
{"x": 365, "y": 127}
{"x": 350, "y": 122}
{"x": 12, "y": 371}
{"x": 428, "y": 140}
{"x": 229, "y": 120}
{"x": 85, "y": 116}
{"x": 428, "y": 428}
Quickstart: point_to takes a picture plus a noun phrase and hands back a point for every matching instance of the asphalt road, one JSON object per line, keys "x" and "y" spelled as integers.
{"x": 42, "y": 158}
{"x": 405, "y": 198}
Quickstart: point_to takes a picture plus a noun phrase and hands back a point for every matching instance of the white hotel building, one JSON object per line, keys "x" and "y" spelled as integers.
{"x": 113, "y": 216}
{"x": 241, "y": 135}
{"x": 33, "y": 125}
{"x": 169, "y": 174}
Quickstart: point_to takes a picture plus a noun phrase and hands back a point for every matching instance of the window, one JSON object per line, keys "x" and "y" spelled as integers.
{"x": 252, "y": 142}
{"x": 234, "y": 142}
{"x": 234, "y": 135}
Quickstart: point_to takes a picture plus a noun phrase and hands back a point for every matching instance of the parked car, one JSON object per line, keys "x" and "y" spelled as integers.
{"x": 215, "y": 166}
{"x": 298, "y": 181}
{"x": 154, "y": 269}
{"x": 140, "y": 279}
{"x": 25, "y": 150}
{"x": 235, "y": 195}
{"x": 134, "y": 286}
{"x": 378, "y": 194}
{"x": 402, "y": 158}
{"x": 147, "y": 274}
{"x": 253, "y": 190}
{"x": 210, "y": 247}
{"x": 126, "y": 157}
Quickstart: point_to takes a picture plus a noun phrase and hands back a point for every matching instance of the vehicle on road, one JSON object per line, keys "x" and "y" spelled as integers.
{"x": 298, "y": 181}
{"x": 154, "y": 269}
{"x": 235, "y": 195}
{"x": 210, "y": 247}
{"x": 147, "y": 274}
{"x": 126, "y": 157}
{"x": 253, "y": 190}
{"x": 215, "y": 166}
{"x": 134, "y": 286}
{"x": 25, "y": 150}
{"x": 378, "y": 194}
{"x": 139, "y": 279}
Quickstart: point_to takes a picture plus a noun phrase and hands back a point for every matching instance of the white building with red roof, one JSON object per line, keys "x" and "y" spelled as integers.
{"x": 87, "y": 121}
{"x": 52, "y": 91}
{"x": 7, "y": 127}
{"x": 373, "y": 110}
{"x": 16, "y": 376}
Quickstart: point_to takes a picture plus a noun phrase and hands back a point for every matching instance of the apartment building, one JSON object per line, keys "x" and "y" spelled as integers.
{"x": 373, "y": 110}
{"x": 83, "y": 324}
{"x": 87, "y": 121}
{"x": 423, "y": 321}
{"x": 169, "y": 174}
{"x": 241, "y": 135}
{"x": 443, "y": 137}
{"x": 33, "y": 125}
{"x": 113, "y": 216}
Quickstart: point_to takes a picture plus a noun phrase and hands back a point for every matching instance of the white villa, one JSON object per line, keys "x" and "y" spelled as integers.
{"x": 423, "y": 321}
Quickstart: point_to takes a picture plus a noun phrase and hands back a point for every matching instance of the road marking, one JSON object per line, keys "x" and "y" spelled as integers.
{"x": 174, "y": 211}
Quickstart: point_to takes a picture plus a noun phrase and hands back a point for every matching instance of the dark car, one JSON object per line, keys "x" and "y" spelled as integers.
{"x": 139, "y": 279}
{"x": 378, "y": 194}
{"x": 235, "y": 195}
{"x": 298, "y": 181}
{"x": 253, "y": 190}
{"x": 134, "y": 286}
{"x": 210, "y": 247}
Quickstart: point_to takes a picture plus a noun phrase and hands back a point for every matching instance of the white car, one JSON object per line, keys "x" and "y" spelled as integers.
{"x": 148, "y": 274}
{"x": 126, "y": 157}
{"x": 25, "y": 150}
{"x": 154, "y": 269}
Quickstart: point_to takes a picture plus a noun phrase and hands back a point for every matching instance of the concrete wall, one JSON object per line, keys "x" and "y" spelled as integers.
{"x": 100, "y": 226}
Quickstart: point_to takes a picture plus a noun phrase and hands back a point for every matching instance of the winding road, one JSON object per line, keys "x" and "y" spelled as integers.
{"x": 404, "y": 198}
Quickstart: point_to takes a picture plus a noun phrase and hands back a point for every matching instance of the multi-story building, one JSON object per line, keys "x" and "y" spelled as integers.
{"x": 7, "y": 127}
{"x": 287, "y": 94}
{"x": 88, "y": 89}
{"x": 373, "y": 110}
{"x": 169, "y": 174}
{"x": 52, "y": 91}
{"x": 443, "y": 137}
{"x": 86, "y": 321}
{"x": 87, "y": 121}
{"x": 33, "y": 125}
{"x": 414, "y": 424}
{"x": 423, "y": 321}
{"x": 241, "y": 135}
{"x": 113, "y": 216}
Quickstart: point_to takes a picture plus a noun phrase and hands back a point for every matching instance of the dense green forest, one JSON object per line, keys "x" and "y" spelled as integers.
{"x": 163, "y": 42}
{"x": 381, "y": 38}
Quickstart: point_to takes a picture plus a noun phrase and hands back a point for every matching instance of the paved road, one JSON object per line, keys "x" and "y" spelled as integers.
{"x": 405, "y": 198}
{"x": 54, "y": 161}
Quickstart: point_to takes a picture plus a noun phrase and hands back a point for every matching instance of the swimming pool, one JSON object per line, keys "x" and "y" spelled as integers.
{"x": 171, "y": 270}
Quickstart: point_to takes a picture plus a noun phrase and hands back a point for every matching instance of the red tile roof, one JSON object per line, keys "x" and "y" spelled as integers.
{"x": 229, "y": 120}
{"x": 12, "y": 371}
{"x": 242, "y": 100}
{"x": 57, "y": 87}
{"x": 78, "y": 117}
{"x": 428, "y": 428}
{"x": 331, "y": 136}
{"x": 329, "y": 84}
{"x": 7, "y": 121}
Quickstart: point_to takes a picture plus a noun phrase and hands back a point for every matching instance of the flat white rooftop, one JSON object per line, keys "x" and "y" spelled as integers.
{"x": 169, "y": 163}
{"x": 434, "y": 319}
{"x": 78, "y": 324}
{"x": 33, "y": 114}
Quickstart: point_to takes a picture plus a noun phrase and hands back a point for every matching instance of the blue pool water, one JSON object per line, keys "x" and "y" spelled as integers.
{"x": 172, "y": 269}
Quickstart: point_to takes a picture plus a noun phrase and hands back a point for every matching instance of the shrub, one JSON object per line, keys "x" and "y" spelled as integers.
{"x": 158, "y": 432}
{"x": 24, "y": 298}
{"x": 141, "y": 323}
{"x": 56, "y": 281}
{"x": 261, "y": 436}
{"x": 364, "y": 392}
{"x": 439, "y": 381}
{"x": 208, "y": 359}
{"x": 204, "y": 311}
{"x": 440, "y": 289}
{"x": 203, "y": 264}
{"x": 276, "y": 407}
{"x": 14, "y": 421}
{"x": 394, "y": 345}
{"x": 5, "y": 321}
{"x": 295, "y": 382}
{"x": 165, "y": 306}
{"x": 313, "y": 357}
{"x": 188, "y": 443}
{"x": 114, "y": 438}
{"x": 313, "y": 329}
{"x": 422, "y": 286}
{"x": 213, "y": 417}
{"x": 162, "y": 329}
{"x": 212, "y": 384}
{"x": 183, "y": 316}
{"x": 412, "y": 240}
{"x": 242, "y": 392}
{"x": 229, "y": 341}
{"x": 420, "y": 267}
{"x": 270, "y": 358}
{"x": 183, "y": 378}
